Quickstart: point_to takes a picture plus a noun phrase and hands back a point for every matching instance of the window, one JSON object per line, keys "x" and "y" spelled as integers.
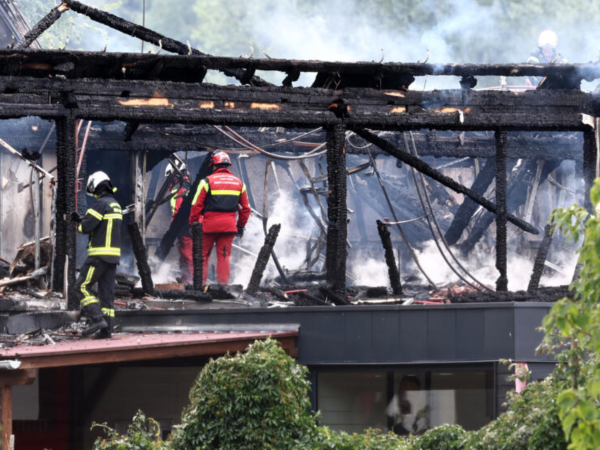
{"x": 406, "y": 401}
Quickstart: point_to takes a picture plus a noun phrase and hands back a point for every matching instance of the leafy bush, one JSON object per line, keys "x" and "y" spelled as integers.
{"x": 370, "y": 440}
{"x": 531, "y": 422}
{"x": 142, "y": 434}
{"x": 254, "y": 400}
{"x": 445, "y": 437}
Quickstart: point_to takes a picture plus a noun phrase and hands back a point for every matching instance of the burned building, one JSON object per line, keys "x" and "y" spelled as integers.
{"x": 363, "y": 168}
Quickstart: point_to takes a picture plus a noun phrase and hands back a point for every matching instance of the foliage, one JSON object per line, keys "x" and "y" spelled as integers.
{"x": 445, "y": 437}
{"x": 530, "y": 423}
{"x": 572, "y": 328}
{"x": 71, "y": 29}
{"x": 142, "y": 434}
{"x": 370, "y": 440}
{"x": 257, "y": 399}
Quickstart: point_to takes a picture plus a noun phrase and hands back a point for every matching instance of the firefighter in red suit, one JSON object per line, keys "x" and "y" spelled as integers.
{"x": 220, "y": 197}
{"x": 179, "y": 190}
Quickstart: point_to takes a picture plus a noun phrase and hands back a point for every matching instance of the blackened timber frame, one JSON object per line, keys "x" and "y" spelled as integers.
{"x": 160, "y": 101}
{"x": 337, "y": 210}
{"x": 85, "y": 64}
{"x": 66, "y": 232}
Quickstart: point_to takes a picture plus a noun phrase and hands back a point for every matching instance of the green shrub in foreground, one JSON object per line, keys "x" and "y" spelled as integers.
{"x": 253, "y": 400}
{"x": 370, "y": 440}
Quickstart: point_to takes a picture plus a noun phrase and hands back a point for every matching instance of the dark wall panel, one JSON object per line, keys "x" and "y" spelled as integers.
{"x": 382, "y": 334}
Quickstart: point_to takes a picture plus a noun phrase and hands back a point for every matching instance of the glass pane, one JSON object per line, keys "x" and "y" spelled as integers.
{"x": 353, "y": 402}
{"x": 426, "y": 399}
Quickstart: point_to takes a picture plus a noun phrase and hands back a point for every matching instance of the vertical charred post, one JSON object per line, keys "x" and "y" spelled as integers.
{"x": 141, "y": 257}
{"x": 66, "y": 231}
{"x": 468, "y": 207}
{"x": 540, "y": 259}
{"x": 262, "y": 260}
{"x": 590, "y": 151}
{"x": 501, "y": 245}
{"x": 337, "y": 211}
{"x": 394, "y": 273}
{"x": 197, "y": 257}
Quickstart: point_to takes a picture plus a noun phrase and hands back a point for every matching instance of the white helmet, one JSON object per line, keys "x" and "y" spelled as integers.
{"x": 94, "y": 181}
{"x": 548, "y": 37}
{"x": 180, "y": 165}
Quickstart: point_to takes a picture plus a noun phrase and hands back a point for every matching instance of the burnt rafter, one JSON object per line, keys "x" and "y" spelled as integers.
{"x": 426, "y": 169}
{"x": 46, "y": 22}
{"x": 172, "y": 102}
{"x": 147, "y": 35}
{"x": 48, "y": 60}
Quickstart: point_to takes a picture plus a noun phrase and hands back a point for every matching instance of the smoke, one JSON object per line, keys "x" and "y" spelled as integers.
{"x": 481, "y": 264}
{"x": 296, "y": 227}
{"x": 368, "y": 271}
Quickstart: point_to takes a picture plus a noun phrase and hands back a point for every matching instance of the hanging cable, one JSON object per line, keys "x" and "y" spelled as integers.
{"x": 245, "y": 143}
{"x": 404, "y": 237}
{"x": 429, "y": 224}
{"x": 437, "y": 225}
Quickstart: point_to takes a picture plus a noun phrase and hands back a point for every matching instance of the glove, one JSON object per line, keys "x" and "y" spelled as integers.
{"x": 76, "y": 217}
{"x": 240, "y": 232}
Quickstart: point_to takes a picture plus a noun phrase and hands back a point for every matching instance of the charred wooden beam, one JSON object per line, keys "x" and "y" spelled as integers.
{"x": 66, "y": 232}
{"x": 181, "y": 219}
{"x": 39, "y": 28}
{"x": 263, "y": 259}
{"x": 540, "y": 259}
{"x": 590, "y": 155}
{"x": 198, "y": 138}
{"x": 130, "y": 129}
{"x": 501, "y": 214}
{"x": 459, "y": 103}
{"x": 426, "y": 169}
{"x": 147, "y": 35}
{"x": 517, "y": 193}
{"x": 377, "y": 72}
{"x": 303, "y": 107}
{"x": 468, "y": 207}
{"x": 390, "y": 260}
{"x": 197, "y": 255}
{"x": 141, "y": 257}
{"x": 332, "y": 297}
{"x": 337, "y": 210}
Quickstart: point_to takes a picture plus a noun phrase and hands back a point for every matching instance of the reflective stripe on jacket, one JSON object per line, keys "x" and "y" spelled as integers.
{"x": 178, "y": 195}
{"x": 217, "y": 200}
{"x": 103, "y": 223}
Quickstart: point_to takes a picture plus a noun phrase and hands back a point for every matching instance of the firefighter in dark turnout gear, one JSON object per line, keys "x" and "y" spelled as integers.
{"x": 103, "y": 224}
{"x": 218, "y": 199}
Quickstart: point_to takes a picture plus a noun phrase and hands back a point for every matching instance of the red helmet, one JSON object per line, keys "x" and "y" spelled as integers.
{"x": 220, "y": 158}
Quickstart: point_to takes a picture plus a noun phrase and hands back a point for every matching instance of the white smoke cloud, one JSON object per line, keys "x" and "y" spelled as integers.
{"x": 369, "y": 271}
{"x": 290, "y": 248}
{"x": 482, "y": 266}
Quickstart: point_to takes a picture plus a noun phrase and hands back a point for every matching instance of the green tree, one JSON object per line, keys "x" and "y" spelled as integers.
{"x": 572, "y": 329}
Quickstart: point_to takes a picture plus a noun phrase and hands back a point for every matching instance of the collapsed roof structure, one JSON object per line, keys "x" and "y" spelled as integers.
{"x": 364, "y": 108}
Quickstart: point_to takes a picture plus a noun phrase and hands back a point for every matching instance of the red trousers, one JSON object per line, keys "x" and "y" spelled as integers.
{"x": 223, "y": 242}
{"x": 186, "y": 262}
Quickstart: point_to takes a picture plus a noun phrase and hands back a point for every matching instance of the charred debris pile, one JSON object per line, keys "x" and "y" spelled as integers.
{"x": 151, "y": 107}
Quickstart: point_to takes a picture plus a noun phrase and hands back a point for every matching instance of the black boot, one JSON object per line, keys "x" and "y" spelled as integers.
{"x": 104, "y": 333}
{"x": 98, "y": 323}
